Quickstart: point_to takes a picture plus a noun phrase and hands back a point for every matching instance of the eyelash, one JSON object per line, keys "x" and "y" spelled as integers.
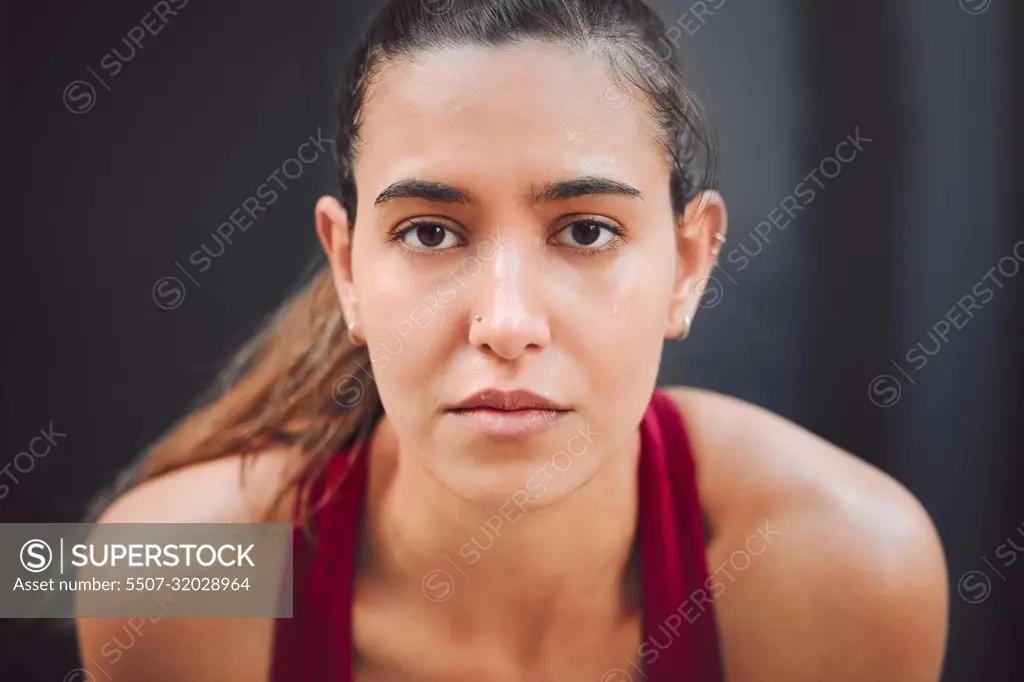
{"x": 396, "y": 236}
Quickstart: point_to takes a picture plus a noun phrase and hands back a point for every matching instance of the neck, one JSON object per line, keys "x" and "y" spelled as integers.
{"x": 570, "y": 560}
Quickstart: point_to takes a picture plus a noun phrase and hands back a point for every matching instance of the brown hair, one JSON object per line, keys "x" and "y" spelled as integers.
{"x": 300, "y": 381}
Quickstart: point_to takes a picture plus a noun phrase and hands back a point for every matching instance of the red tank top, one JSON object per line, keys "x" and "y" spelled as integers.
{"x": 680, "y": 638}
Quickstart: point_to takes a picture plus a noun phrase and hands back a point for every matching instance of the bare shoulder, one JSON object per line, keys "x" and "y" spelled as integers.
{"x": 227, "y": 490}
{"x": 822, "y": 566}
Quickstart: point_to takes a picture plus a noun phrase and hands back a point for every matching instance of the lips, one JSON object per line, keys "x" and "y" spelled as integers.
{"x": 508, "y": 401}
{"x": 507, "y": 414}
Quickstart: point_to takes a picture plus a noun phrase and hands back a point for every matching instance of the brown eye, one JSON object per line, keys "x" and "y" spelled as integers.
{"x": 429, "y": 237}
{"x": 586, "y": 234}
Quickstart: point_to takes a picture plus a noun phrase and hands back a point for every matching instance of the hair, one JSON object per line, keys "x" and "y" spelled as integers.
{"x": 300, "y": 381}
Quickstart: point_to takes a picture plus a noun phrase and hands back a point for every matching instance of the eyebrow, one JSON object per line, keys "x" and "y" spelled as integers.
{"x": 553, "y": 191}
{"x": 420, "y": 189}
{"x": 583, "y": 186}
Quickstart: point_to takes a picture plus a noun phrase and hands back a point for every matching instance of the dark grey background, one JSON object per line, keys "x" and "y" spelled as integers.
{"x": 100, "y": 205}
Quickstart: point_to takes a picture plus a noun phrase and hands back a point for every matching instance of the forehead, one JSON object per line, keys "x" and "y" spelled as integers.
{"x": 519, "y": 110}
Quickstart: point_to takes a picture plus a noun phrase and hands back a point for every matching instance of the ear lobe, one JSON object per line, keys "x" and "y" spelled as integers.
{"x": 332, "y": 228}
{"x": 699, "y": 237}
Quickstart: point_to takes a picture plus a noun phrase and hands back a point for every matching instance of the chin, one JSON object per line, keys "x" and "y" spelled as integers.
{"x": 522, "y": 474}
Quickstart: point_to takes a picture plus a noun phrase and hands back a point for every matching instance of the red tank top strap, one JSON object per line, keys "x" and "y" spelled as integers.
{"x": 680, "y": 630}
{"x": 316, "y": 642}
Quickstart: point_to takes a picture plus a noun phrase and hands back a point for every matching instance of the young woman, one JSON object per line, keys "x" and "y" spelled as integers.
{"x": 461, "y": 406}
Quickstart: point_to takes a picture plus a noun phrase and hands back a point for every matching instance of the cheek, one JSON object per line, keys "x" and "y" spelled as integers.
{"x": 621, "y": 311}
{"x": 618, "y": 334}
{"x": 388, "y": 296}
{"x": 403, "y": 318}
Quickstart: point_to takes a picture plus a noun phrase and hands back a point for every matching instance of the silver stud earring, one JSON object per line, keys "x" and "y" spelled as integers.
{"x": 478, "y": 317}
{"x": 686, "y": 327}
{"x": 720, "y": 238}
{"x": 353, "y": 339}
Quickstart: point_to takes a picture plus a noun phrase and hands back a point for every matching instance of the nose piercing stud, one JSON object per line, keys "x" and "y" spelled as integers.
{"x": 478, "y": 317}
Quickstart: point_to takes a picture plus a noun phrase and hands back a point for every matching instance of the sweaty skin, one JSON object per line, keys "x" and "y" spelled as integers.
{"x": 850, "y": 583}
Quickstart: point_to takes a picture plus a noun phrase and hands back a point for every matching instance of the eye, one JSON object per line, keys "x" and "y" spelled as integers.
{"x": 427, "y": 236}
{"x": 589, "y": 234}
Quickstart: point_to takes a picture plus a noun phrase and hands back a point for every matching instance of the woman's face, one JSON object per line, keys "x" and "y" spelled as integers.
{"x": 576, "y": 283}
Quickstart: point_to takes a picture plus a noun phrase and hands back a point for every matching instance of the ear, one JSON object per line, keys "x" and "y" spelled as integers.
{"x": 332, "y": 227}
{"x": 700, "y": 234}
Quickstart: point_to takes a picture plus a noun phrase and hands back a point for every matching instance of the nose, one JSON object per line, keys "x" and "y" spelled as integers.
{"x": 508, "y": 302}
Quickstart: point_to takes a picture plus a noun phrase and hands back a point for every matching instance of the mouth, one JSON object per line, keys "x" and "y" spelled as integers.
{"x": 508, "y": 414}
{"x": 508, "y": 401}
